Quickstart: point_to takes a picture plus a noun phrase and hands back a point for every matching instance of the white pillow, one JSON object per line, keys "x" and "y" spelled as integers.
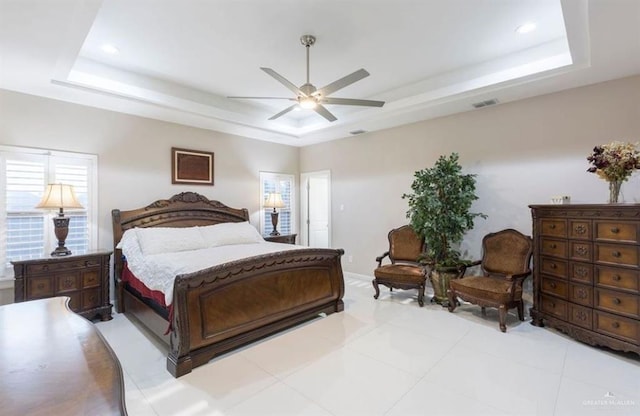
{"x": 159, "y": 240}
{"x": 130, "y": 246}
{"x": 230, "y": 233}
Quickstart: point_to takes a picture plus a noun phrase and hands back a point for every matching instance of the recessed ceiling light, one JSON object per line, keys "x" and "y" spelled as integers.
{"x": 526, "y": 28}
{"x": 110, "y": 49}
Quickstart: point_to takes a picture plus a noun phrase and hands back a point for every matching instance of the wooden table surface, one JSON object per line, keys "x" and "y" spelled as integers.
{"x": 54, "y": 362}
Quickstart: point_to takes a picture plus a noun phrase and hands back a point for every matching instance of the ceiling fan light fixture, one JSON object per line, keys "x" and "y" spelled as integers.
{"x": 307, "y": 103}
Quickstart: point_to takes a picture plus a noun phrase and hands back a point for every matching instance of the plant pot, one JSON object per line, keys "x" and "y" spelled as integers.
{"x": 440, "y": 278}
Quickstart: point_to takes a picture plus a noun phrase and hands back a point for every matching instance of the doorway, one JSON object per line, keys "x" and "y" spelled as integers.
{"x": 316, "y": 209}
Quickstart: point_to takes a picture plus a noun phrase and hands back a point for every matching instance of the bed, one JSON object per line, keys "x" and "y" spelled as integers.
{"x": 228, "y": 305}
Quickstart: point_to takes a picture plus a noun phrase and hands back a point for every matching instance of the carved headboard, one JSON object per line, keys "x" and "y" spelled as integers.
{"x": 186, "y": 209}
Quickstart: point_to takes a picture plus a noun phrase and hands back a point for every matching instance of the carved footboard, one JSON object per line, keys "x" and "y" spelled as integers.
{"x": 221, "y": 308}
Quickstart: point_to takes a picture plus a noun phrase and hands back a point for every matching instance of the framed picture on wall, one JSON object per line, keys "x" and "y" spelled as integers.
{"x": 192, "y": 167}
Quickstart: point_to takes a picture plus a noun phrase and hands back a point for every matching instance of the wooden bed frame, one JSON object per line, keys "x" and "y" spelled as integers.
{"x": 226, "y": 306}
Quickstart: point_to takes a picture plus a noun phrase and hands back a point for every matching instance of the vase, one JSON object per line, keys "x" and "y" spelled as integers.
{"x": 614, "y": 191}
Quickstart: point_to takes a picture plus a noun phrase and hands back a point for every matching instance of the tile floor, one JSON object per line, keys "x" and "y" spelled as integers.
{"x": 386, "y": 357}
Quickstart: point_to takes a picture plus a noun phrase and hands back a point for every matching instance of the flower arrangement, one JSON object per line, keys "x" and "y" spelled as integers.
{"x": 614, "y": 162}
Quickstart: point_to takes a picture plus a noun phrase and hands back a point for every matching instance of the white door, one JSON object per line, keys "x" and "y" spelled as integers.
{"x": 316, "y": 209}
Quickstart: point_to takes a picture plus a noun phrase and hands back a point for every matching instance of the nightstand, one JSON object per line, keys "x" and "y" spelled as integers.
{"x": 283, "y": 238}
{"x": 84, "y": 278}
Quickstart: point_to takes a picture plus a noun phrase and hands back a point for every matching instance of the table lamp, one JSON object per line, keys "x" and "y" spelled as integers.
{"x": 59, "y": 196}
{"x": 274, "y": 200}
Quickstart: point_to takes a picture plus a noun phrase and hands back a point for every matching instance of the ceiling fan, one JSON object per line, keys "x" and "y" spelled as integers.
{"x": 309, "y": 97}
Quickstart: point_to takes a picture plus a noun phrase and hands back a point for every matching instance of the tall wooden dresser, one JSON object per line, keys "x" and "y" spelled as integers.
{"x": 587, "y": 272}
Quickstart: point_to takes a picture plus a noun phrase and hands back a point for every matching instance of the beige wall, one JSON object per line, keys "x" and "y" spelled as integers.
{"x": 523, "y": 153}
{"x": 134, "y": 158}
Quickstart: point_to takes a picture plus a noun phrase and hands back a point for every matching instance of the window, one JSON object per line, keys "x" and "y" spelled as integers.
{"x": 27, "y": 232}
{"x": 285, "y": 185}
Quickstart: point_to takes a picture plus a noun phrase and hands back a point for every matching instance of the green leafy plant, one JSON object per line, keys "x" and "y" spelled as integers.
{"x": 440, "y": 209}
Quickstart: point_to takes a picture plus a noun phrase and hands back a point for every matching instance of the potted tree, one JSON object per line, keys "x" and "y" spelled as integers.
{"x": 440, "y": 212}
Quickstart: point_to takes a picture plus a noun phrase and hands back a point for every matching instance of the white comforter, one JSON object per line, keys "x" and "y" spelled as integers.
{"x": 158, "y": 271}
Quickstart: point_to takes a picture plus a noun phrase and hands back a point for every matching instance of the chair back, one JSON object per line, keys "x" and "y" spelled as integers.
{"x": 405, "y": 245}
{"x": 506, "y": 252}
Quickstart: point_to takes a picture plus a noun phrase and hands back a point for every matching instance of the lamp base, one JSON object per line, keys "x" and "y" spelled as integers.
{"x": 274, "y": 222}
{"x": 60, "y": 251}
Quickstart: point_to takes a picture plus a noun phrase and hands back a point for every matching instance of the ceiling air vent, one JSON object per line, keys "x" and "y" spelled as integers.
{"x": 360, "y": 131}
{"x": 485, "y": 103}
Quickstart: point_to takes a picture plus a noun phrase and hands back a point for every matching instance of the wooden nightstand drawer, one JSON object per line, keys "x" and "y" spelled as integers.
{"x": 40, "y": 287}
{"x": 617, "y": 326}
{"x": 618, "y": 278}
{"x": 91, "y": 279}
{"x": 60, "y": 265}
{"x": 617, "y": 254}
{"x": 618, "y": 302}
{"x": 617, "y": 231}
{"x": 91, "y": 298}
{"x": 67, "y": 282}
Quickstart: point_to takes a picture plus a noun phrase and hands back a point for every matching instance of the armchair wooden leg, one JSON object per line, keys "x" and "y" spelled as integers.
{"x": 375, "y": 286}
{"x": 503, "y": 318}
{"x": 521, "y": 310}
{"x": 421, "y": 296}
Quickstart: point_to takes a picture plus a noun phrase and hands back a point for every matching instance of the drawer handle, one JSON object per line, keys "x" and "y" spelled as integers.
{"x": 615, "y": 325}
{"x": 553, "y": 285}
{"x": 616, "y": 254}
{"x": 553, "y": 304}
{"x": 616, "y": 277}
{"x": 552, "y": 226}
{"x": 617, "y": 301}
{"x": 615, "y": 230}
{"x": 86, "y": 263}
{"x": 553, "y": 245}
{"x": 553, "y": 266}
{"x": 45, "y": 267}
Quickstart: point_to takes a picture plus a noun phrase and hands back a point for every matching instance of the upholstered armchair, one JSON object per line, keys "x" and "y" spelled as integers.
{"x": 505, "y": 264}
{"x": 405, "y": 270}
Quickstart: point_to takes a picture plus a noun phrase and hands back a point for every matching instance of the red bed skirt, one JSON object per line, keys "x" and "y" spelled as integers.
{"x": 154, "y": 295}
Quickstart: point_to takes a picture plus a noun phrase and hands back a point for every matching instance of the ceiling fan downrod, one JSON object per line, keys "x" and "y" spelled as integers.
{"x": 307, "y": 41}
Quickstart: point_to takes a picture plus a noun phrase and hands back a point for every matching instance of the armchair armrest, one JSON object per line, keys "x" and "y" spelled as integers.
{"x": 380, "y": 258}
{"x": 516, "y": 279}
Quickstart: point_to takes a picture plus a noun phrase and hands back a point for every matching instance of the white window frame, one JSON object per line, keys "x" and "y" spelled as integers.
{"x": 277, "y": 177}
{"x": 16, "y": 152}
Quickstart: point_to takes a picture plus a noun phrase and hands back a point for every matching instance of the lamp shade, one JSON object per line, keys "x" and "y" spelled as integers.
{"x": 58, "y": 196}
{"x": 274, "y": 200}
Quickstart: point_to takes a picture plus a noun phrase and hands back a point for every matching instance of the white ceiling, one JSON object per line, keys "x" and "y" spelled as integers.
{"x": 178, "y": 60}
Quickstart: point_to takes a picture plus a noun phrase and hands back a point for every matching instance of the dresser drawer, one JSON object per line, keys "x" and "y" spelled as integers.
{"x": 67, "y": 282}
{"x": 618, "y": 278}
{"x": 581, "y": 294}
{"x": 581, "y": 316}
{"x": 39, "y": 287}
{"x": 554, "y": 287}
{"x": 617, "y": 254}
{"x": 580, "y": 229}
{"x": 550, "y": 247}
{"x": 60, "y": 266}
{"x": 617, "y": 326}
{"x": 581, "y": 272}
{"x": 580, "y": 251}
{"x": 617, "y": 302}
{"x": 553, "y": 227}
{"x": 554, "y": 267}
{"x": 617, "y": 231}
{"x": 555, "y": 307}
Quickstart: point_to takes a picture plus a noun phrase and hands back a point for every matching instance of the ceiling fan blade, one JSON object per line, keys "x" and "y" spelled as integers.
{"x": 324, "y": 112}
{"x": 283, "y": 81}
{"x": 352, "y": 101}
{"x": 343, "y": 82}
{"x": 263, "y": 98}
{"x": 283, "y": 112}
